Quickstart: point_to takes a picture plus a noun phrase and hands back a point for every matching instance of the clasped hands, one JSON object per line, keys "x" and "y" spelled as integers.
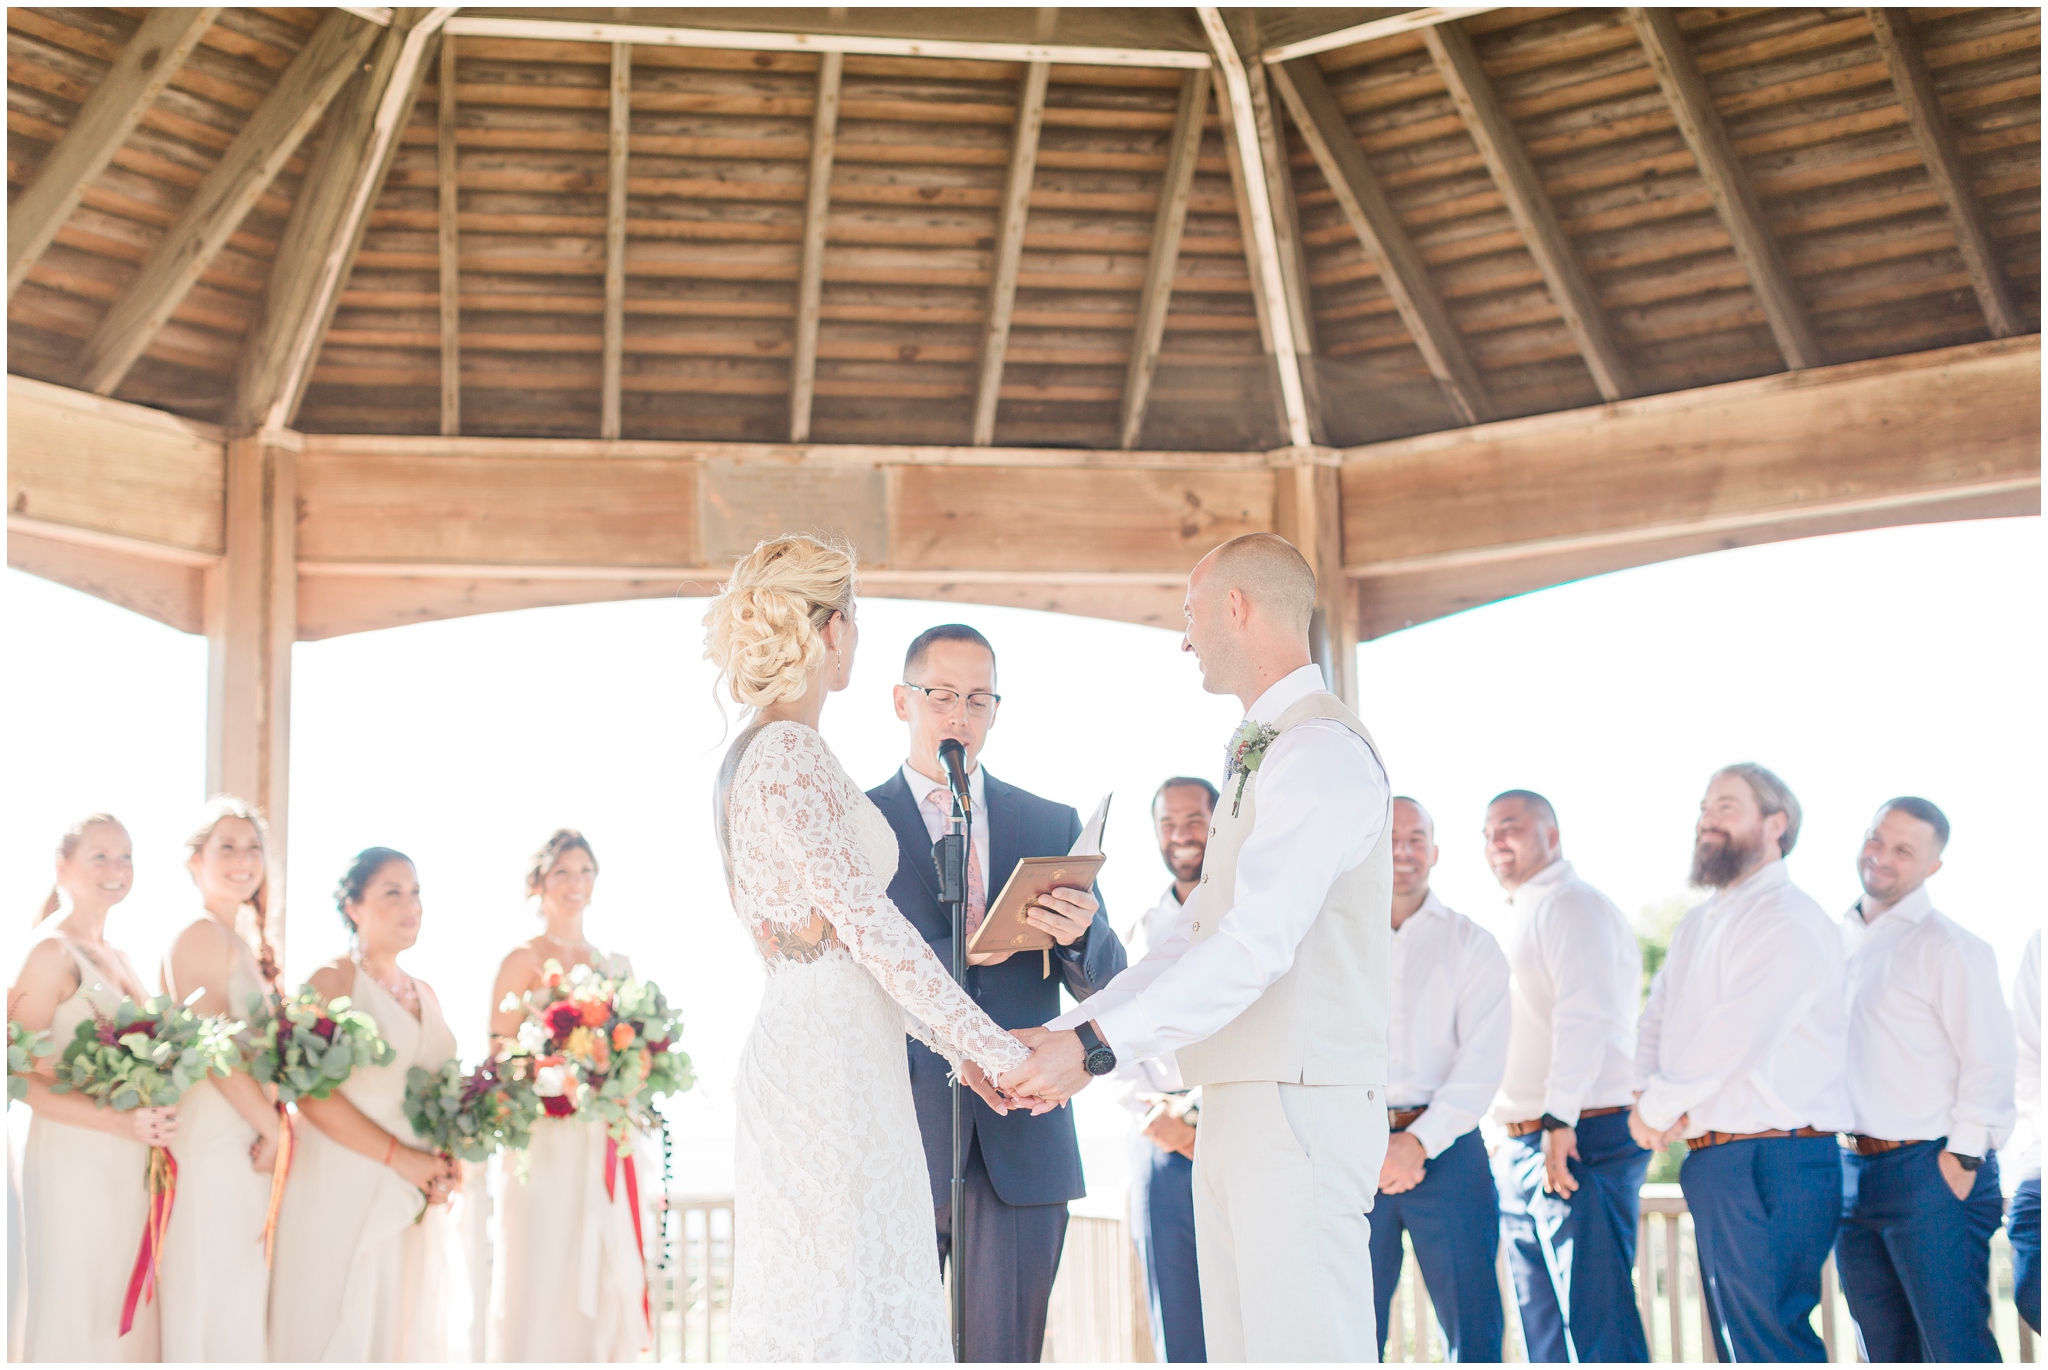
{"x": 1054, "y": 1074}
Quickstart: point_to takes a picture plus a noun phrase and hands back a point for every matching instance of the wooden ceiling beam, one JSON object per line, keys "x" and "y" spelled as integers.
{"x": 1168, "y": 223}
{"x": 1009, "y": 250}
{"x": 1720, "y": 168}
{"x": 1365, "y": 204}
{"x": 810, "y": 280}
{"x": 448, "y": 222}
{"x": 224, "y": 198}
{"x": 1423, "y": 18}
{"x": 137, "y": 76}
{"x": 1946, "y": 169}
{"x": 1515, "y": 176}
{"x": 327, "y": 223}
{"x": 1287, "y": 242}
{"x": 617, "y": 141}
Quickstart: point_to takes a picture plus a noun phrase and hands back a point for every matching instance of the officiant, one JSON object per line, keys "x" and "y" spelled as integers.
{"x": 1021, "y": 1170}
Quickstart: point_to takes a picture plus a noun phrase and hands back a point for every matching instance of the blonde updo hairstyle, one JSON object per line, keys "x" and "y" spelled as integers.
{"x": 764, "y": 629}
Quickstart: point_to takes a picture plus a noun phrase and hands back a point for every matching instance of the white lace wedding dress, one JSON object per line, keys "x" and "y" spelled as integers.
{"x": 834, "y": 1253}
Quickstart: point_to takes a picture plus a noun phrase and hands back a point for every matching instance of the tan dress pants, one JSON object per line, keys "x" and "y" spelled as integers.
{"x": 1284, "y": 1177}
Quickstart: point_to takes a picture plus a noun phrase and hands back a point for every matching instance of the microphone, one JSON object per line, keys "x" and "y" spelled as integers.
{"x": 953, "y": 764}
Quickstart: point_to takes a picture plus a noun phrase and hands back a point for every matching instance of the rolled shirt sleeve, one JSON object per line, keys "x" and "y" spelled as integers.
{"x": 1973, "y": 1013}
{"x": 1578, "y": 942}
{"x": 1482, "y": 1019}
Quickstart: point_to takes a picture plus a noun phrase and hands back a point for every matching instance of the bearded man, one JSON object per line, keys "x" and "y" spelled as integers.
{"x": 1742, "y": 1051}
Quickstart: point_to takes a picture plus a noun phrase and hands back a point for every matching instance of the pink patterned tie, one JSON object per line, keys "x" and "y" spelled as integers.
{"x": 938, "y": 802}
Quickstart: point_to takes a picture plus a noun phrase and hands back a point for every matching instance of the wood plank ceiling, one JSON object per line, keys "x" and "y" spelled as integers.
{"x": 814, "y": 246}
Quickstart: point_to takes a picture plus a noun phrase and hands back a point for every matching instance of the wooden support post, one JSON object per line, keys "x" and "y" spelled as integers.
{"x": 1700, "y": 124}
{"x": 1168, "y": 223}
{"x": 616, "y": 146}
{"x": 138, "y": 75}
{"x": 251, "y": 623}
{"x": 1308, "y": 511}
{"x": 447, "y": 159}
{"x": 810, "y": 281}
{"x": 1515, "y": 176}
{"x": 1009, "y": 253}
{"x": 1365, "y": 204}
{"x": 224, "y": 198}
{"x": 1946, "y": 170}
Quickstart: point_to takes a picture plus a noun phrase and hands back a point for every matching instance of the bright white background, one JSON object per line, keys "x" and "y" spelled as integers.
{"x": 1858, "y": 667}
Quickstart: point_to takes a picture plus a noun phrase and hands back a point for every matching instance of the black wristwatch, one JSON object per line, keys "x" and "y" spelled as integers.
{"x": 1100, "y": 1060}
{"x": 1967, "y": 1162}
{"x": 1552, "y": 1123}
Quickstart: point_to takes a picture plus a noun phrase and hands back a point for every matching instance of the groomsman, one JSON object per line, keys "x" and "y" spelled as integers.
{"x": 2023, "y": 1219}
{"x": 1447, "y": 1044}
{"x": 1931, "y": 1086}
{"x": 1741, "y": 1052}
{"x": 1021, "y": 1170}
{"x": 1570, "y": 1175}
{"x": 1168, "y": 1113}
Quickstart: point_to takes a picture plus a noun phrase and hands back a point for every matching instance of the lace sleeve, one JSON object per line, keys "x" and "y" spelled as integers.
{"x": 807, "y": 803}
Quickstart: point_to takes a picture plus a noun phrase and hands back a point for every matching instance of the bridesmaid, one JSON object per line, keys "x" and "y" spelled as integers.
{"x": 557, "y": 1229}
{"x": 82, "y": 1195}
{"x": 355, "y": 1277}
{"x": 215, "y": 1284}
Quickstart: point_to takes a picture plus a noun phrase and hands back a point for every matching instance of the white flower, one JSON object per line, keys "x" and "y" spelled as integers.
{"x": 550, "y": 1081}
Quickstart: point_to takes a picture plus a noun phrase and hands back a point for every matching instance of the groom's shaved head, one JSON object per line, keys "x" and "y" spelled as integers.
{"x": 1271, "y": 573}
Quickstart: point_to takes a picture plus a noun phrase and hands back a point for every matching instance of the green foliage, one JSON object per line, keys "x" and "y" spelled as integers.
{"x": 471, "y": 1116}
{"x": 147, "y": 1055}
{"x": 307, "y": 1047}
{"x": 24, "y": 1049}
{"x": 1655, "y": 924}
{"x": 1664, "y": 1165}
{"x": 603, "y": 1044}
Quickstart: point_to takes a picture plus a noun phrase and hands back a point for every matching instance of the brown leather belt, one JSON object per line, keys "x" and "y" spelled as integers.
{"x": 1536, "y": 1124}
{"x": 1707, "y": 1139}
{"x": 1401, "y": 1119}
{"x": 1874, "y": 1146}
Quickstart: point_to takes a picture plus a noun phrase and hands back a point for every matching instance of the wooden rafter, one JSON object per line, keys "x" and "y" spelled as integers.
{"x": 616, "y": 149}
{"x": 1720, "y": 168}
{"x": 223, "y": 199}
{"x": 138, "y": 75}
{"x": 1900, "y": 45}
{"x": 1168, "y": 223}
{"x": 1364, "y": 202}
{"x": 810, "y": 281}
{"x": 1406, "y": 22}
{"x": 1515, "y": 176}
{"x": 449, "y": 224}
{"x": 1009, "y": 250}
{"x": 1287, "y": 243}
{"x": 327, "y": 223}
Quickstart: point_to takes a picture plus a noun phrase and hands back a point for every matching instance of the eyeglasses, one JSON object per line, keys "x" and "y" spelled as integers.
{"x": 980, "y": 703}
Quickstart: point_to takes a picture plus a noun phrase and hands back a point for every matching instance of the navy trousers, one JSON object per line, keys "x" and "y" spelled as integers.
{"x": 1453, "y": 1216}
{"x": 2023, "y": 1225}
{"x": 1163, "y": 1223}
{"x": 1013, "y": 1253}
{"x": 1573, "y": 1259}
{"x": 1915, "y": 1260}
{"x": 1765, "y": 1213}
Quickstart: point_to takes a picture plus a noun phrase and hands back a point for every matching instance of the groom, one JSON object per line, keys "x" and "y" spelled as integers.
{"x": 1272, "y": 989}
{"x": 1021, "y": 1170}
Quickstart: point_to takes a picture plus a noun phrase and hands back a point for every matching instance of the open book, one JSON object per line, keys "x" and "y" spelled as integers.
{"x": 1004, "y": 929}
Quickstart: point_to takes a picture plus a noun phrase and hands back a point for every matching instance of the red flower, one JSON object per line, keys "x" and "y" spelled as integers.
{"x": 558, "y": 1105}
{"x": 562, "y": 1019}
{"x": 324, "y": 1029}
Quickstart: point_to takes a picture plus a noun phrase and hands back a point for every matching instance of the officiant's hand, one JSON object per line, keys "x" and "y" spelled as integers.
{"x": 1055, "y": 1072}
{"x": 1063, "y": 915}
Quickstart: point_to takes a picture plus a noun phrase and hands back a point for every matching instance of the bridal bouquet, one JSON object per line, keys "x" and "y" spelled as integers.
{"x": 601, "y": 1044}
{"x": 24, "y": 1049}
{"x": 308, "y": 1047}
{"x": 470, "y": 1116}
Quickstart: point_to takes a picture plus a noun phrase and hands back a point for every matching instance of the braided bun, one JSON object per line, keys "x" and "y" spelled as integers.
{"x": 762, "y": 629}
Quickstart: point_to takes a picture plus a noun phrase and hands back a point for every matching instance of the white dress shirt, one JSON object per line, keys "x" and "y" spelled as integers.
{"x": 1575, "y": 977}
{"x": 1447, "y": 1037}
{"x": 1154, "y": 1074}
{"x": 1323, "y": 800}
{"x": 1931, "y": 1050}
{"x": 1746, "y": 1029}
{"x": 977, "y": 794}
{"x": 2026, "y": 1014}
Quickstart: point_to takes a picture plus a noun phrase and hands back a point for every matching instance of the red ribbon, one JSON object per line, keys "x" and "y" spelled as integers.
{"x": 611, "y": 1167}
{"x": 161, "y": 1182}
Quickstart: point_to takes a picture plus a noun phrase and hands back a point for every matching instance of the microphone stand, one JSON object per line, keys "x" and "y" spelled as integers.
{"x": 950, "y": 855}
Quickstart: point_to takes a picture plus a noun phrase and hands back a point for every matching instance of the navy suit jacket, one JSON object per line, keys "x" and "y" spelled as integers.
{"x": 1030, "y": 1160}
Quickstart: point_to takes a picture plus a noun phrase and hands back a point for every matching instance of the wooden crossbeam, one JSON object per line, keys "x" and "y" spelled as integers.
{"x": 1515, "y": 176}
{"x": 327, "y": 222}
{"x": 616, "y": 148}
{"x": 1365, "y": 205}
{"x": 1009, "y": 252}
{"x": 1700, "y": 124}
{"x": 449, "y": 223}
{"x": 810, "y": 281}
{"x": 138, "y": 75}
{"x": 1406, "y": 21}
{"x": 1168, "y": 223}
{"x": 224, "y": 198}
{"x": 1893, "y": 29}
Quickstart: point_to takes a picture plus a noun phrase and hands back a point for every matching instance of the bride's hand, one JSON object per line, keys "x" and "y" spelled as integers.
{"x": 976, "y": 1079}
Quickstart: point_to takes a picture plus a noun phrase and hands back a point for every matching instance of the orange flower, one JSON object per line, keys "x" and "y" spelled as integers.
{"x": 622, "y": 1036}
{"x": 595, "y": 1011}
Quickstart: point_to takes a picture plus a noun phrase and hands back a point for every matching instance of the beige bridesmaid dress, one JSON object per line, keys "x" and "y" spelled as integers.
{"x": 215, "y": 1285}
{"x": 568, "y": 1277}
{"x": 83, "y": 1210}
{"x": 354, "y": 1278}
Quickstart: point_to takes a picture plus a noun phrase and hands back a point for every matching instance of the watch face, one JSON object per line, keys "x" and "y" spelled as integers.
{"x": 1100, "y": 1061}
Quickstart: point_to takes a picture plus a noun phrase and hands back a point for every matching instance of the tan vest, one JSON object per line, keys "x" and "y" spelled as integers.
{"x": 1325, "y": 1021}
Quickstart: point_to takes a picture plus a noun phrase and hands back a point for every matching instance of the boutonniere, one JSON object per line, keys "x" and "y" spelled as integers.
{"x": 1247, "y": 749}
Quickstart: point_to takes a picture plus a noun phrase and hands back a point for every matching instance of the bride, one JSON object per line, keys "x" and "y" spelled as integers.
{"x": 833, "y": 1255}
